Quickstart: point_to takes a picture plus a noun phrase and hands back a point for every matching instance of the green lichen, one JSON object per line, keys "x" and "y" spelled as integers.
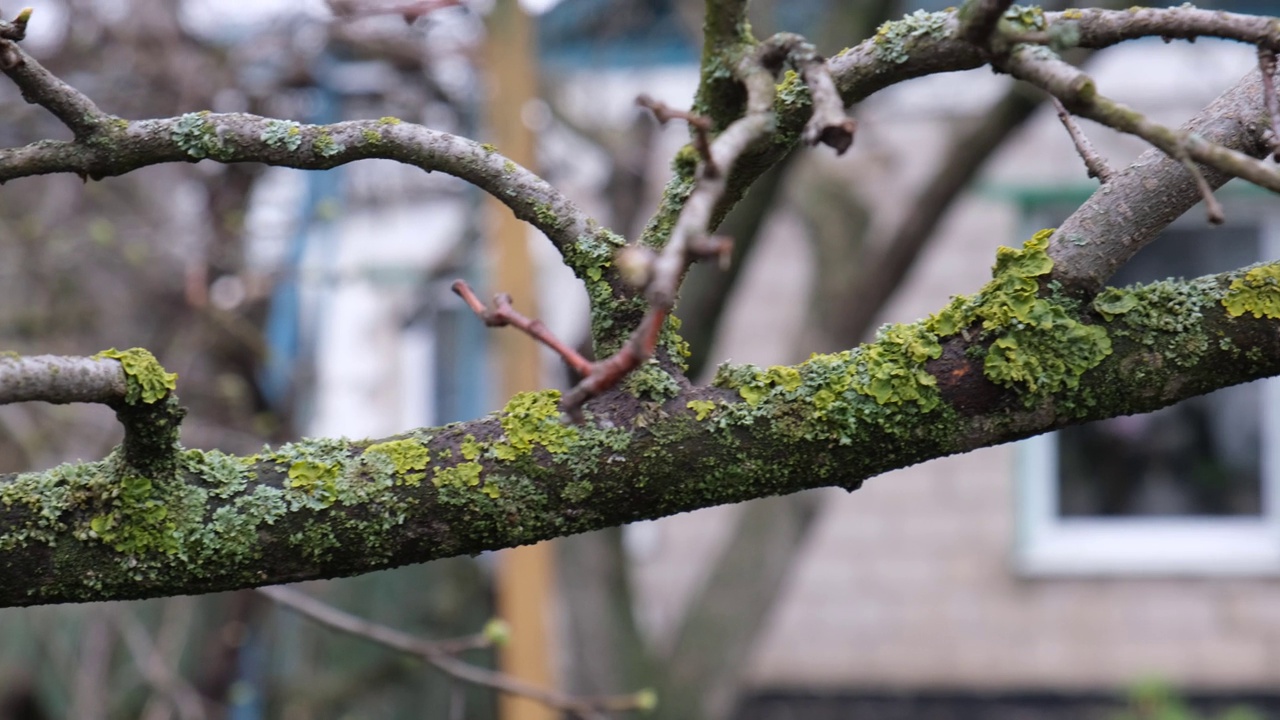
{"x": 1112, "y": 302}
{"x": 227, "y": 475}
{"x": 531, "y": 420}
{"x": 1257, "y": 292}
{"x": 577, "y": 491}
{"x": 685, "y": 162}
{"x": 317, "y": 480}
{"x": 508, "y": 167}
{"x": 1022, "y": 18}
{"x": 548, "y": 218}
{"x": 145, "y": 379}
{"x": 589, "y": 255}
{"x": 651, "y": 382}
{"x": 197, "y": 136}
{"x": 1035, "y": 342}
{"x": 371, "y": 137}
{"x": 388, "y": 120}
{"x": 462, "y": 475}
{"x": 282, "y": 133}
{"x": 893, "y": 370}
{"x": 136, "y": 519}
{"x": 408, "y": 459}
{"x": 701, "y": 408}
{"x": 489, "y": 148}
{"x": 326, "y": 146}
{"x": 893, "y": 39}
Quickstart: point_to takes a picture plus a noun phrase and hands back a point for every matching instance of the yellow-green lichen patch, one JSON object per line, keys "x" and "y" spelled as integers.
{"x": 1256, "y": 292}
{"x": 316, "y": 480}
{"x": 532, "y": 419}
{"x": 462, "y": 475}
{"x": 135, "y": 519}
{"x": 408, "y": 459}
{"x": 371, "y": 137}
{"x": 1035, "y": 343}
{"x": 388, "y": 120}
{"x": 326, "y": 146}
{"x": 1113, "y": 301}
{"x": 145, "y": 379}
{"x": 892, "y": 368}
{"x": 701, "y": 408}
{"x": 880, "y": 387}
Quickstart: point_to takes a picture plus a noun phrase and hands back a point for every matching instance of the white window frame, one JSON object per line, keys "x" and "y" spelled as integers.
{"x": 1049, "y": 544}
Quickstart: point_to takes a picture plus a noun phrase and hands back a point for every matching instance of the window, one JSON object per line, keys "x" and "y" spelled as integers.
{"x": 1190, "y": 489}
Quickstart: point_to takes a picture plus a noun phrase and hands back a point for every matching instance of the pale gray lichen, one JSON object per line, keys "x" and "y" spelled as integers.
{"x": 893, "y": 38}
{"x": 286, "y": 133}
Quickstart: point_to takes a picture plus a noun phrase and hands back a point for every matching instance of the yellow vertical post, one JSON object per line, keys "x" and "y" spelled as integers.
{"x": 524, "y": 577}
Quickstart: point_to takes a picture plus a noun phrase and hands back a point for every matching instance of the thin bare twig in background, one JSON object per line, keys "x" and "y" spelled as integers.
{"x": 440, "y": 656}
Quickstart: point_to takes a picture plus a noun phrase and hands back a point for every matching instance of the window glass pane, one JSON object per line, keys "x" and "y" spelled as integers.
{"x": 1201, "y": 457}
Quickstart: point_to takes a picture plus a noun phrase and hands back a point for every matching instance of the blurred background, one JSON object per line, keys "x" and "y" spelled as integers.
{"x": 1123, "y": 569}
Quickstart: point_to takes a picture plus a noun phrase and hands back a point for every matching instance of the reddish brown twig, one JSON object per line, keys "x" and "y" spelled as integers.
{"x": 608, "y": 372}
{"x": 1093, "y": 162}
{"x": 503, "y": 314}
{"x": 1267, "y": 65}
{"x": 596, "y": 377}
{"x": 701, "y": 128}
{"x": 719, "y": 247}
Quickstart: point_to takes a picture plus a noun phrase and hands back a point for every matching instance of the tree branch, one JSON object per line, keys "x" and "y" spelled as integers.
{"x": 107, "y": 146}
{"x": 326, "y": 508}
{"x": 1120, "y": 219}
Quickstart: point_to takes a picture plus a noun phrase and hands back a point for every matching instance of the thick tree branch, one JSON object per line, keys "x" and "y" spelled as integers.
{"x": 325, "y": 508}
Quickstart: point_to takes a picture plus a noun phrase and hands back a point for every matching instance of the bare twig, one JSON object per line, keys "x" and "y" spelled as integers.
{"x": 1093, "y": 162}
{"x": 441, "y": 657}
{"x": 701, "y": 126}
{"x": 1078, "y": 93}
{"x": 503, "y": 314}
{"x": 1124, "y": 216}
{"x": 1212, "y": 208}
{"x": 156, "y": 668}
{"x": 1267, "y": 66}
